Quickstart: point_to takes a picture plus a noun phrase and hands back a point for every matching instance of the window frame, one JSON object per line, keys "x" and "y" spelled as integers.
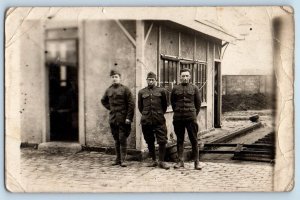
{"x": 199, "y": 79}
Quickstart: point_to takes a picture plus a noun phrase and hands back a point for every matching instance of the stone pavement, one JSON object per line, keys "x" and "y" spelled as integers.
{"x": 92, "y": 172}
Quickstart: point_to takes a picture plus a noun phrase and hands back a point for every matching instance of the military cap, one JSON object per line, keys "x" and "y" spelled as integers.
{"x": 185, "y": 70}
{"x": 151, "y": 75}
{"x": 114, "y": 72}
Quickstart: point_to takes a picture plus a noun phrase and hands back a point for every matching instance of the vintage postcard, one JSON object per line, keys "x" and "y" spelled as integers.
{"x": 149, "y": 99}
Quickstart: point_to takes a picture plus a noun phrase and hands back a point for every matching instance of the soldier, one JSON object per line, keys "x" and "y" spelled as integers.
{"x": 152, "y": 103}
{"x": 118, "y": 100}
{"x": 185, "y": 100}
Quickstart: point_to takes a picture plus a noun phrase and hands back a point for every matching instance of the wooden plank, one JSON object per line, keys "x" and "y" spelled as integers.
{"x": 148, "y": 33}
{"x": 179, "y": 44}
{"x": 158, "y": 54}
{"x": 132, "y": 40}
{"x": 168, "y": 57}
{"x": 168, "y": 72}
{"x": 164, "y": 73}
{"x": 195, "y": 49}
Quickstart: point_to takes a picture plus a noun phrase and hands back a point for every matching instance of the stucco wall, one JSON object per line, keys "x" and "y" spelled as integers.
{"x": 32, "y": 85}
{"x": 150, "y": 57}
{"x": 105, "y": 46}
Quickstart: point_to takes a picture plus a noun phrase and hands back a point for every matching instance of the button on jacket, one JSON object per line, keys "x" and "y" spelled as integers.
{"x": 118, "y": 99}
{"x": 185, "y": 101}
{"x": 152, "y": 103}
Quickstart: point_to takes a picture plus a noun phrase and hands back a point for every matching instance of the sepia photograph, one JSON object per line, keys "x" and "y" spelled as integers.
{"x": 149, "y": 99}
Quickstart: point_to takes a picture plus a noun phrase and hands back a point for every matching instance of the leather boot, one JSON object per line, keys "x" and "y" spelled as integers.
{"x": 197, "y": 165}
{"x": 163, "y": 165}
{"x": 118, "y": 155}
{"x": 152, "y": 155}
{"x": 162, "y": 153}
{"x": 196, "y": 158}
{"x": 123, "y": 156}
{"x": 180, "y": 163}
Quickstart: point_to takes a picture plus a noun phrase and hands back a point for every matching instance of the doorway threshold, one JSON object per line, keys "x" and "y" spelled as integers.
{"x": 60, "y": 147}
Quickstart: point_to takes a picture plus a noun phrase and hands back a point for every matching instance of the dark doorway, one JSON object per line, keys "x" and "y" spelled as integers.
{"x": 217, "y": 95}
{"x": 62, "y": 56}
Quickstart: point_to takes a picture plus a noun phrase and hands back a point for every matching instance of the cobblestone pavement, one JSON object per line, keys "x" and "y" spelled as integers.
{"x": 92, "y": 172}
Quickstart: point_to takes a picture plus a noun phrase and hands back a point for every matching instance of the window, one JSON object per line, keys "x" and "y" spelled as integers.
{"x": 168, "y": 73}
{"x": 201, "y": 79}
{"x": 170, "y": 68}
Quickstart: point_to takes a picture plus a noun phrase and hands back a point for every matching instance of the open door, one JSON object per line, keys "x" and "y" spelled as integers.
{"x": 217, "y": 95}
{"x": 62, "y": 65}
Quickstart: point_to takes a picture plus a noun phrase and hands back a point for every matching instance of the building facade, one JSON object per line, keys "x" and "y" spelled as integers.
{"x": 64, "y": 71}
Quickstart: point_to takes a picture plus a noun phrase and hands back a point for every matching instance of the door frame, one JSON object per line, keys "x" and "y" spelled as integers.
{"x": 217, "y": 110}
{"x": 81, "y": 85}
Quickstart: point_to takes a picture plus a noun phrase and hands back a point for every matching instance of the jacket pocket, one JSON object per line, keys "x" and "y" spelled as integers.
{"x": 145, "y": 96}
{"x": 179, "y": 92}
{"x": 119, "y": 93}
{"x": 157, "y": 94}
{"x": 191, "y": 92}
{"x": 145, "y": 112}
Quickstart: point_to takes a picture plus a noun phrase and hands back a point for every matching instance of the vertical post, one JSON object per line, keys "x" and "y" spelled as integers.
{"x": 194, "y": 58}
{"x": 195, "y": 49}
{"x": 45, "y": 86}
{"x": 215, "y": 107}
{"x": 140, "y": 79}
{"x": 210, "y": 66}
{"x": 179, "y": 53}
{"x": 179, "y": 44}
{"x": 219, "y": 93}
{"x": 168, "y": 74}
{"x": 81, "y": 84}
{"x": 158, "y": 53}
{"x": 164, "y": 73}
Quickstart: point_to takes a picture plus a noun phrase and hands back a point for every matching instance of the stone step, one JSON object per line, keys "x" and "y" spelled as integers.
{"x": 60, "y": 147}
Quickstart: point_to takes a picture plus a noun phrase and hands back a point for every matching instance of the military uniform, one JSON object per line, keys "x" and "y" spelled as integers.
{"x": 118, "y": 100}
{"x": 152, "y": 104}
{"x": 186, "y": 103}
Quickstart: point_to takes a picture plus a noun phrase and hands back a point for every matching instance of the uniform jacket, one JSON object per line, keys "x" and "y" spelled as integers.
{"x": 118, "y": 99}
{"x": 152, "y": 104}
{"x": 185, "y": 101}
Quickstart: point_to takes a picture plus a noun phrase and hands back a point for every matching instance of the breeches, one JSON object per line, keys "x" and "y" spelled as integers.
{"x": 190, "y": 126}
{"x": 151, "y": 132}
{"x": 120, "y": 132}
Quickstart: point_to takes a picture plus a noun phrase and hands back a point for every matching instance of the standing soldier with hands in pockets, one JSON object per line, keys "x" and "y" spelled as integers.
{"x": 118, "y": 100}
{"x": 185, "y": 100}
{"x": 152, "y": 103}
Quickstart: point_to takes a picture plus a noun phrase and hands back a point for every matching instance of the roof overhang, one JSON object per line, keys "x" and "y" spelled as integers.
{"x": 208, "y": 29}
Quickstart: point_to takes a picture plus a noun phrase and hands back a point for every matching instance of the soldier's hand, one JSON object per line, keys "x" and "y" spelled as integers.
{"x": 127, "y": 121}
